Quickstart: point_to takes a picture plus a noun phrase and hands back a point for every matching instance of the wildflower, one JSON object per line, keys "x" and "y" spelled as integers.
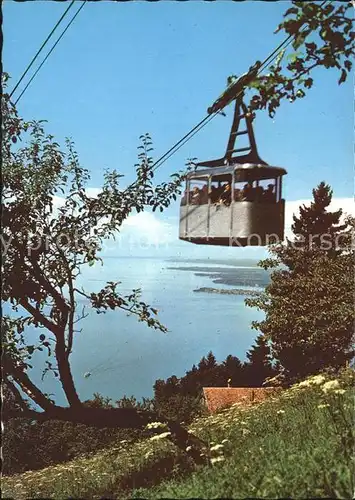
{"x": 160, "y": 436}
{"x": 323, "y": 406}
{"x": 216, "y": 447}
{"x": 155, "y": 425}
{"x": 317, "y": 379}
{"x": 217, "y": 459}
{"x": 304, "y": 383}
{"x": 279, "y": 412}
{"x": 330, "y": 385}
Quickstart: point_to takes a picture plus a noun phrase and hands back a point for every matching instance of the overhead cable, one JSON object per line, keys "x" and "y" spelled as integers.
{"x": 283, "y": 45}
{"x": 49, "y": 53}
{"x": 42, "y": 47}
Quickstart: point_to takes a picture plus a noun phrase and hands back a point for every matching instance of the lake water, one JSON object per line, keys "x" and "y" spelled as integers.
{"x": 125, "y": 357}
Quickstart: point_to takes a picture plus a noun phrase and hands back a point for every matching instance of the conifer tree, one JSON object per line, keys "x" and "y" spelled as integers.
{"x": 308, "y": 305}
{"x": 233, "y": 370}
{"x": 316, "y": 227}
{"x": 259, "y": 366}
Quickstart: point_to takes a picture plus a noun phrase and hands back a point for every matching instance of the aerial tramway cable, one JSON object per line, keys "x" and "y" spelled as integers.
{"x": 42, "y": 47}
{"x": 158, "y": 163}
{"x": 49, "y": 53}
{"x": 199, "y": 126}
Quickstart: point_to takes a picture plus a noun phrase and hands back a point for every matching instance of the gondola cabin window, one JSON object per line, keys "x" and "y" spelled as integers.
{"x": 267, "y": 191}
{"x": 198, "y": 191}
{"x": 221, "y": 189}
{"x": 233, "y": 205}
{"x": 260, "y": 191}
{"x": 256, "y": 185}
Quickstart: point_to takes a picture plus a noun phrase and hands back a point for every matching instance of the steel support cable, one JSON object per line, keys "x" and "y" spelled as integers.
{"x": 199, "y": 125}
{"x": 178, "y": 145}
{"x": 42, "y": 47}
{"x": 49, "y": 53}
{"x": 208, "y": 118}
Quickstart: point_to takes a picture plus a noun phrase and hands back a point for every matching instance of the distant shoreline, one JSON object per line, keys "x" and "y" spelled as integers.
{"x": 233, "y": 291}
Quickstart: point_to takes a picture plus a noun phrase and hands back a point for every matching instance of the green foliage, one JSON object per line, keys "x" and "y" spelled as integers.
{"x": 309, "y": 302}
{"x": 323, "y": 38}
{"x": 297, "y": 445}
{"x": 259, "y": 367}
{"x": 31, "y": 445}
{"x": 318, "y": 228}
{"x": 46, "y": 245}
{"x": 181, "y": 398}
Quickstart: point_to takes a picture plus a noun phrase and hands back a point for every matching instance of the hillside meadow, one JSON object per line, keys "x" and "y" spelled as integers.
{"x": 299, "y": 444}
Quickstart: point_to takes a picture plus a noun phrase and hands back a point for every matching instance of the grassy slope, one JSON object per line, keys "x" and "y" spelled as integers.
{"x": 299, "y": 445}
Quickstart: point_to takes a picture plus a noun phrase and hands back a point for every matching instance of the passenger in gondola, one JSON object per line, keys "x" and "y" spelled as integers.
{"x": 214, "y": 194}
{"x": 226, "y": 196}
{"x": 204, "y": 195}
{"x": 259, "y": 193}
{"x": 248, "y": 192}
{"x": 219, "y": 191}
{"x": 238, "y": 195}
{"x": 269, "y": 195}
{"x": 195, "y": 196}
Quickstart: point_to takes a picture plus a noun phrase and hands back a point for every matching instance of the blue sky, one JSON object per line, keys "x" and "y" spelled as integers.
{"x": 124, "y": 69}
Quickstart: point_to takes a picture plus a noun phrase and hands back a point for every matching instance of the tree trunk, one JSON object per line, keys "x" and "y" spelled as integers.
{"x": 65, "y": 374}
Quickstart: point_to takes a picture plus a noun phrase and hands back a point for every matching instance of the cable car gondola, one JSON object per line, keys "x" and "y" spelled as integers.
{"x": 234, "y": 200}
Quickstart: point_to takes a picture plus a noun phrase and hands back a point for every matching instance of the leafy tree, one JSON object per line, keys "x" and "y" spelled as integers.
{"x": 45, "y": 248}
{"x": 323, "y": 38}
{"x": 181, "y": 406}
{"x": 132, "y": 402}
{"x": 309, "y": 302}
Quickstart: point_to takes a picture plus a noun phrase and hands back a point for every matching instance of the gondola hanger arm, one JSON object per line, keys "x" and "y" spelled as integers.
{"x": 235, "y": 89}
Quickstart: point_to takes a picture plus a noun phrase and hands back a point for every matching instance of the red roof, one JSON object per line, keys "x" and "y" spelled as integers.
{"x": 222, "y": 397}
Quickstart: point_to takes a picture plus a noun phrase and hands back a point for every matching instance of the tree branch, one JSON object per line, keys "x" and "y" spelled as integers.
{"x": 38, "y": 316}
{"x": 17, "y": 395}
{"x": 72, "y": 302}
{"x": 60, "y": 352}
{"x": 38, "y": 273}
{"x": 22, "y": 379}
{"x": 60, "y": 301}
